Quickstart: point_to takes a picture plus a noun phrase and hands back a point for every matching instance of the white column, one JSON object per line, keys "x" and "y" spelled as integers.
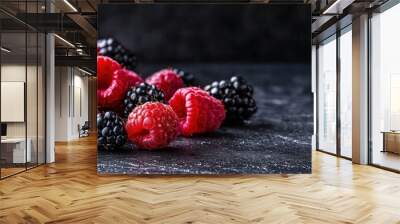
{"x": 360, "y": 90}
{"x": 50, "y": 92}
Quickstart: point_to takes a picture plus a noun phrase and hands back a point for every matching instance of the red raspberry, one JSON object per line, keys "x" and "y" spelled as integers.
{"x": 105, "y": 69}
{"x": 167, "y": 81}
{"x": 198, "y": 112}
{"x": 129, "y": 77}
{"x": 113, "y": 82}
{"x": 152, "y": 125}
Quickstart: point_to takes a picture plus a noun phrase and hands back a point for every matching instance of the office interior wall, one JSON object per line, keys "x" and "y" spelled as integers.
{"x": 92, "y": 100}
{"x": 61, "y": 105}
{"x": 80, "y": 102}
{"x": 71, "y": 102}
{"x": 16, "y": 72}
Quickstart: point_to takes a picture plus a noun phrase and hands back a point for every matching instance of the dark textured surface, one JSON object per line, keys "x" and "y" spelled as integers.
{"x": 276, "y": 140}
{"x": 210, "y": 32}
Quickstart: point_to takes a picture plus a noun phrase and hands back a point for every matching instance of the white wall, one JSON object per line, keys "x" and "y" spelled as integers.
{"x": 61, "y": 103}
{"x": 33, "y": 126}
{"x": 13, "y": 73}
{"x": 80, "y": 97}
{"x": 71, "y": 96}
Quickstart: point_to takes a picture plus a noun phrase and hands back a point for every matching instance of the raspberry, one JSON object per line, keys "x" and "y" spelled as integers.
{"x": 105, "y": 70}
{"x": 113, "y": 82}
{"x": 152, "y": 125}
{"x": 198, "y": 112}
{"x": 167, "y": 81}
{"x": 130, "y": 78}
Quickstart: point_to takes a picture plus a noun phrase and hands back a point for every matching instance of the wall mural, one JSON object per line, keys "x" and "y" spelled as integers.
{"x": 204, "y": 89}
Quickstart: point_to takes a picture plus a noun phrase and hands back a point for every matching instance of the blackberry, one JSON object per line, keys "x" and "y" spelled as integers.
{"x": 110, "y": 131}
{"x": 188, "y": 78}
{"x": 139, "y": 95}
{"x": 237, "y": 97}
{"x": 112, "y": 48}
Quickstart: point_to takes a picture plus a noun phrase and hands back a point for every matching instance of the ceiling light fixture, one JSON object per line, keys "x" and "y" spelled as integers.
{"x": 337, "y": 7}
{"x": 64, "y": 40}
{"x": 5, "y": 50}
{"x": 70, "y": 5}
{"x": 84, "y": 71}
{"x": 79, "y": 51}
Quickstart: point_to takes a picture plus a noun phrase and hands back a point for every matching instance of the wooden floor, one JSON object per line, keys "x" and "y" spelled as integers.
{"x": 70, "y": 191}
{"x": 5, "y": 172}
{"x": 387, "y": 159}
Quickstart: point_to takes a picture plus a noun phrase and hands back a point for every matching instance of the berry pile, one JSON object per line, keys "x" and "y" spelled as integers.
{"x": 153, "y": 113}
{"x": 110, "y": 130}
{"x": 237, "y": 97}
{"x": 112, "y": 48}
{"x": 141, "y": 94}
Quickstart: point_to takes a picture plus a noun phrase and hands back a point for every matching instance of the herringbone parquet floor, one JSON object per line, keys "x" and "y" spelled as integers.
{"x": 70, "y": 191}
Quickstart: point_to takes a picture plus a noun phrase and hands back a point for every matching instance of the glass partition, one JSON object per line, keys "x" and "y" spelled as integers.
{"x": 31, "y": 98}
{"x": 385, "y": 89}
{"x": 32, "y": 84}
{"x": 22, "y": 107}
{"x": 346, "y": 93}
{"x": 327, "y": 95}
{"x": 14, "y": 151}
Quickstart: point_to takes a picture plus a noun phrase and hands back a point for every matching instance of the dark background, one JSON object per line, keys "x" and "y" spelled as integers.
{"x": 210, "y": 32}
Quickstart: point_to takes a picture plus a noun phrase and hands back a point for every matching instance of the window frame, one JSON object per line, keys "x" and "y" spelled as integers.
{"x": 333, "y": 37}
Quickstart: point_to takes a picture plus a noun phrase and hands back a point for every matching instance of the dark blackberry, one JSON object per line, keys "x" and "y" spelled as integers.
{"x": 188, "y": 78}
{"x": 237, "y": 97}
{"x": 110, "y": 131}
{"x": 112, "y": 48}
{"x": 139, "y": 95}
